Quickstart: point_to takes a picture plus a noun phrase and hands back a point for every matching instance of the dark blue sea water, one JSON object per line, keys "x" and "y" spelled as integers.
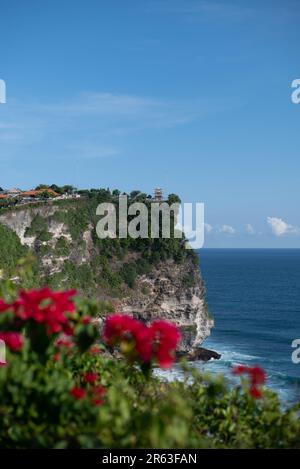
{"x": 254, "y": 296}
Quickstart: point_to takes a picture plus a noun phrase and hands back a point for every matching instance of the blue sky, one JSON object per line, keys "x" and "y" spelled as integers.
{"x": 191, "y": 95}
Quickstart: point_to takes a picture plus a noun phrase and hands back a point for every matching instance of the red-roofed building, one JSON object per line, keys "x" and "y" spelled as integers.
{"x": 39, "y": 192}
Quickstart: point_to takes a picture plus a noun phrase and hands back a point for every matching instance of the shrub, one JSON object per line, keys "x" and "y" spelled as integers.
{"x": 63, "y": 388}
{"x": 39, "y": 229}
{"x": 65, "y": 384}
{"x": 62, "y": 246}
{"x": 11, "y": 249}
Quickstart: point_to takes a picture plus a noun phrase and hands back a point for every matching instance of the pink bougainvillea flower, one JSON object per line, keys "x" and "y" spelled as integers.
{"x": 124, "y": 328}
{"x": 47, "y": 307}
{"x": 166, "y": 338}
{"x": 87, "y": 319}
{"x": 258, "y": 375}
{"x": 57, "y": 357}
{"x": 13, "y": 340}
{"x": 158, "y": 340}
{"x": 240, "y": 370}
{"x": 78, "y": 393}
{"x": 255, "y": 392}
{"x": 64, "y": 342}
{"x": 68, "y": 329}
{"x": 257, "y": 378}
{"x": 91, "y": 377}
{"x": 120, "y": 326}
{"x": 98, "y": 395}
{"x": 4, "y": 306}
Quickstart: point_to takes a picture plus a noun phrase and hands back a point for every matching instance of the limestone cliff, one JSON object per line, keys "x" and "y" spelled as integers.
{"x": 175, "y": 292}
{"x": 63, "y": 238}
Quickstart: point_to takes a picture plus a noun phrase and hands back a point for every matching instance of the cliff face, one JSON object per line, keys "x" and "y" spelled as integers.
{"x": 70, "y": 257}
{"x": 52, "y": 258}
{"x": 166, "y": 293}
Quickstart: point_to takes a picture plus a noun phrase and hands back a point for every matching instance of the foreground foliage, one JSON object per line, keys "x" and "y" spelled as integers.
{"x": 60, "y": 388}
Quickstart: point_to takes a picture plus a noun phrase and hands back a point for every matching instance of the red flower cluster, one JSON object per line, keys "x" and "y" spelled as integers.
{"x": 3, "y": 306}
{"x": 158, "y": 341}
{"x": 166, "y": 337}
{"x": 95, "y": 392}
{"x": 87, "y": 319}
{"x": 124, "y": 328}
{"x": 13, "y": 340}
{"x": 257, "y": 378}
{"x": 78, "y": 393}
{"x": 98, "y": 395}
{"x": 91, "y": 377}
{"x": 47, "y": 307}
{"x": 64, "y": 342}
{"x": 40, "y": 306}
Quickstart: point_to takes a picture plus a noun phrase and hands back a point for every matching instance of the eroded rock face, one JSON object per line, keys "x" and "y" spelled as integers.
{"x": 174, "y": 292}
{"x": 20, "y": 220}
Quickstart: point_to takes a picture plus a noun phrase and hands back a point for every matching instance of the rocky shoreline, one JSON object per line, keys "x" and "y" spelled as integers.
{"x": 199, "y": 353}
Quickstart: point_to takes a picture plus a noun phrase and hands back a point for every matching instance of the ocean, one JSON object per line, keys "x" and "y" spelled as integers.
{"x": 254, "y": 297}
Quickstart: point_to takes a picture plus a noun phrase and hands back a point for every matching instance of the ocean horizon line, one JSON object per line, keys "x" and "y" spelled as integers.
{"x": 249, "y": 248}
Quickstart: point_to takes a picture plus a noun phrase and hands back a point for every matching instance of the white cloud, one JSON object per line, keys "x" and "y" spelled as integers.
{"x": 227, "y": 229}
{"x": 280, "y": 228}
{"x": 208, "y": 228}
{"x": 249, "y": 229}
{"x": 98, "y": 117}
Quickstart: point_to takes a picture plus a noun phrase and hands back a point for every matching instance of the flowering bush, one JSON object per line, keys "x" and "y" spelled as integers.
{"x": 42, "y": 315}
{"x": 62, "y": 388}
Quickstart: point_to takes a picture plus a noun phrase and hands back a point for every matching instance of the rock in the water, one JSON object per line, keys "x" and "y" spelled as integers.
{"x": 200, "y": 353}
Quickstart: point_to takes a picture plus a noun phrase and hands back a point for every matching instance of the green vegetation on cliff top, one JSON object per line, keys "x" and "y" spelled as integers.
{"x": 113, "y": 264}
